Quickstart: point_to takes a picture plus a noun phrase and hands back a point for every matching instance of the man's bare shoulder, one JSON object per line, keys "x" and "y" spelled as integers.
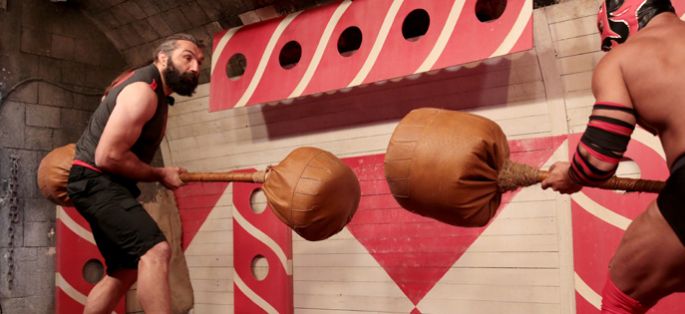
{"x": 138, "y": 99}
{"x": 632, "y": 51}
{"x": 139, "y": 89}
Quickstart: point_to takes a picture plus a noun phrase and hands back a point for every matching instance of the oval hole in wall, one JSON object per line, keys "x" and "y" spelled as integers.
{"x": 236, "y": 66}
{"x": 290, "y": 55}
{"x": 93, "y": 271}
{"x": 350, "y": 40}
{"x": 260, "y": 267}
{"x": 258, "y": 201}
{"x": 415, "y": 24}
{"x": 490, "y": 10}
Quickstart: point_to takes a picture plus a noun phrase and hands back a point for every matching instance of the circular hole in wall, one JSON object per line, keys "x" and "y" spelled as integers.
{"x": 290, "y": 54}
{"x": 415, "y": 24}
{"x": 489, "y": 10}
{"x": 260, "y": 267}
{"x": 258, "y": 201}
{"x": 350, "y": 40}
{"x": 236, "y": 66}
{"x": 93, "y": 271}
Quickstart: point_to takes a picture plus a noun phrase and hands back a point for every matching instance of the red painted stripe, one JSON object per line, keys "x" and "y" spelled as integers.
{"x": 337, "y": 71}
{"x": 250, "y": 41}
{"x": 70, "y": 261}
{"x": 195, "y": 201}
{"x": 396, "y": 47}
{"x": 75, "y": 216}
{"x": 611, "y": 127}
{"x": 278, "y": 82}
{"x": 276, "y": 288}
{"x": 475, "y": 40}
{"x": 526, "y": 39}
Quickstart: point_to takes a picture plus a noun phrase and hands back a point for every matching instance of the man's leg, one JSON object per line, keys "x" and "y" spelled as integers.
{"x": 648, "y": 263}
{"x": 153, "y": 279}
{"x": 108, "y": 291}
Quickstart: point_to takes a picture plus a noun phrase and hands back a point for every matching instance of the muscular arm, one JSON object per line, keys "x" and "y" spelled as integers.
{"x": 609, "y": 129}
{"x": 135, "y": 105}
{"x": 605, "y": 140}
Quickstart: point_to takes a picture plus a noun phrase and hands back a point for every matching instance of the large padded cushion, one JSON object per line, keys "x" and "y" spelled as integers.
{"x": 53, "y": 173}
{"x": 444, "y": 165}
{"x": 313, "y": 192}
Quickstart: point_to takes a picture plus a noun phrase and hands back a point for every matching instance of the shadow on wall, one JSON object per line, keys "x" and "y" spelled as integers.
{"x": 480, "y": 84}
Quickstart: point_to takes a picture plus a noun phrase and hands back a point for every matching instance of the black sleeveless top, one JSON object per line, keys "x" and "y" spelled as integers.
{"x": 153, "y": 131}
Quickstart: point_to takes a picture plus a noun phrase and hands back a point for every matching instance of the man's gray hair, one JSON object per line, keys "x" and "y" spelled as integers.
{"x": 169, "y": 44}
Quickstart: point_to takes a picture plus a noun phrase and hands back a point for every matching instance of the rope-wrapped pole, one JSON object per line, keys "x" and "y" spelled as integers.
{"x": 515, "y": 175}
{"x": 255, "y": 177}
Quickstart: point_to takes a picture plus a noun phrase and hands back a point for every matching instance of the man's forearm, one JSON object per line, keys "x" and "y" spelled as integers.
{"x": 129, "y": 166}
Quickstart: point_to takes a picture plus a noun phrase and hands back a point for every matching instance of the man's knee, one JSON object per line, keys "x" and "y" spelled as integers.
{"x": 123, "y": 278}
{"x": 160, "y": 253}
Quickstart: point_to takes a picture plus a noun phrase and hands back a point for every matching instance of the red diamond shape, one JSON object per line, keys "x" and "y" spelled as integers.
{"x": 416, "y": 251}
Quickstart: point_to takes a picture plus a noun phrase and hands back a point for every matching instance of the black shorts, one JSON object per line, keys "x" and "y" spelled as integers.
{"x": 671, "y": 199}
{"x": 122, "y": 229}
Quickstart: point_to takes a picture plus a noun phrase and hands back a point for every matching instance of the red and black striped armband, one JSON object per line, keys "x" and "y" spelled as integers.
{"x": 605, "y": 139}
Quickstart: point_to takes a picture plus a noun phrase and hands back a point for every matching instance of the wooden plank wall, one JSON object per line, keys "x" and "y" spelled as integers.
{"x": 522, "y": 263}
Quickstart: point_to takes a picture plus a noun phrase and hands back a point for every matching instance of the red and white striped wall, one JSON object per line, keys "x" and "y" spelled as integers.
{"x": 75, "y": 247}
{"x": 455, "y": 36}
{"x": 259, "y": 234}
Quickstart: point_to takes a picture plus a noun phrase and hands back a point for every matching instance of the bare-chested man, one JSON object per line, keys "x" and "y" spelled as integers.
{"x": 640, "y": 81}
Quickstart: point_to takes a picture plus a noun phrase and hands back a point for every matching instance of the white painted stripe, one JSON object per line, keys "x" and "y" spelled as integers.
{"x": 254, "y": 297}
{"x": 516, "y": 30}
{"x": 74, "y": 226}
{"x": 378, "y": 44}
{"x": 649, "y": 140}
{"x": 265, "y": 59}
{"x": 444, "y": 37}
{"x": 587, "y": 293}
{"x": 600, "y": 211}
{"x": 318, "y": 53}
{"x": 221, "y": 45}
{"x": 62, "y": 283}
{"x": 261, "y": 236}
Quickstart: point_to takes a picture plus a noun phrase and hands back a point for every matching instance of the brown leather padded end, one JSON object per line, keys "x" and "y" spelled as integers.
{"x": 444, "y": 165}
{"x": 313, "y": 192}
{"x": 53, "y": 173}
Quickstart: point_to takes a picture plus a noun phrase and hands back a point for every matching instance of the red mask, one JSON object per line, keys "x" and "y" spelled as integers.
{"x": 617, "y": 19}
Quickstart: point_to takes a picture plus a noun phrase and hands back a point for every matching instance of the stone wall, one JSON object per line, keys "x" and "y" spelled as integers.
{"x": 54, "y": 63}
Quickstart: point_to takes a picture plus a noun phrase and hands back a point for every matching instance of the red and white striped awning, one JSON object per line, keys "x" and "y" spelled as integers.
{"x": 455, "y": 35}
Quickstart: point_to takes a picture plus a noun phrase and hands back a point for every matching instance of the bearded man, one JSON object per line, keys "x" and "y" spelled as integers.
{"x": 112, "y": 155}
